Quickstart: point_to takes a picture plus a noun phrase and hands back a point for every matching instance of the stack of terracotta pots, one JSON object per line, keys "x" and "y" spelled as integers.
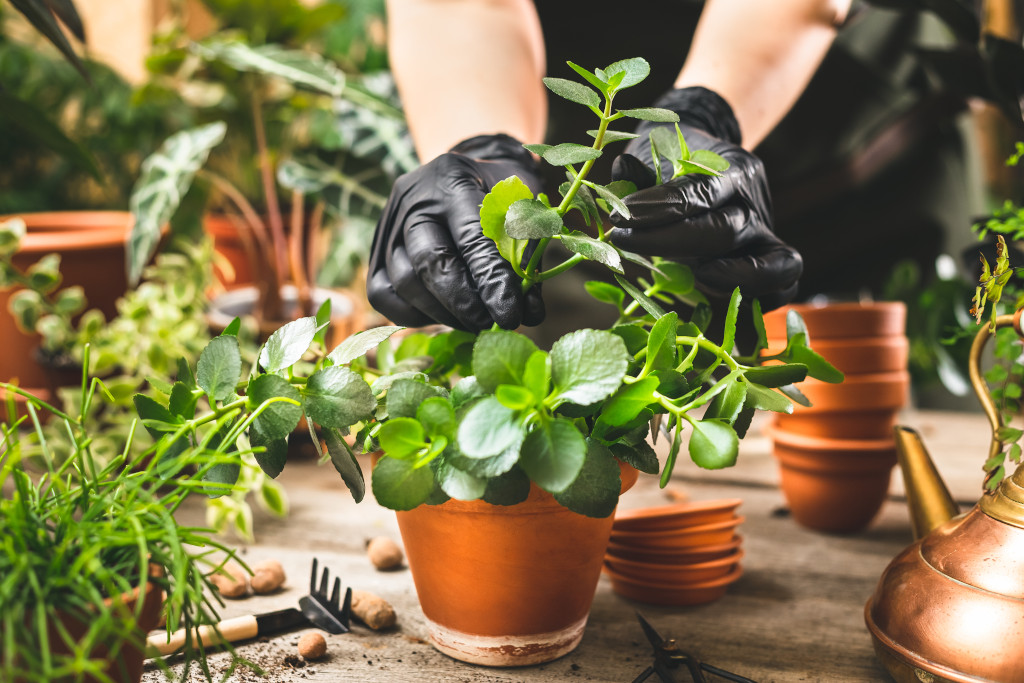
{"x": 836, "y": 457}
{"x": 682, "y": 554}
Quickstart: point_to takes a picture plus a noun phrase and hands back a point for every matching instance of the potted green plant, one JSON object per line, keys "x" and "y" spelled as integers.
{"x": 499, "y": 446}
{"x": 92, "y": 555}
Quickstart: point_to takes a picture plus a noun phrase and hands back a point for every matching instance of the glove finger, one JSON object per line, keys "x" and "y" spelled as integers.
{"x": 710, "y": 234}
{"x": 410, "y": 288}
{"x": 533, "y": 307}
{"x": 676, "y": 200}
{"x": 629, "y": 167}
{"x": 439, "y": 267}
{"x": 770, "y": 268}
{"x": 385, "y": 300}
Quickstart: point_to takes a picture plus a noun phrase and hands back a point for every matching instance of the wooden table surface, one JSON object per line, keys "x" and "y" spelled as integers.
{"x": 795, "y": 615}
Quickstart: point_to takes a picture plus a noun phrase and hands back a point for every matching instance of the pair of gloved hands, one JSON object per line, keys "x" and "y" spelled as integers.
{"x": 430, "y": 261}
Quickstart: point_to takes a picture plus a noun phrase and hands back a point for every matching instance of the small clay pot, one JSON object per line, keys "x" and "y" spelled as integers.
{"x": 671, "y": 594}
{"x": 874, "y": 391}
{"x": 704, "y": 553}
{"x": 232, "y": 263}
{"x": 856, "y": 355}
{"x": 666, "y": 517}
{"x": 858, "y": 424}
{"x": 834, "y": 485}
{"x": 679, "y": 539}
{"x": 841, "y": 320}
{"x": 672, "y": 574}
{"x": 505, "y": 585}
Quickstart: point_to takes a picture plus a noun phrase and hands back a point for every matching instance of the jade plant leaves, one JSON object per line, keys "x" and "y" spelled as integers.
{"x": 593, "y": 250}
{"x": 499, "y": 357}
{"x": 399, "y": 485}
{"x": 337, "y": 397}
{"x": 529, "y": 219}
{"x": 713, "y": 444}
{"x": 510, "y": 488}
{"x": 274, "y": 455}
{"x": 595, "y": 491}
{"x": 358, "y": 344}
{"x": 406, "y": 395}
{"x": 629, "y": 401}
{"x": 587, "y": 366}
{"x": 488, "y": 428}
{"x": 459, "y": 484}
{"x": 402, "y": 437}
{"x": 634, "y": 71}
{"x": 573, "y": 91}
{"x": 553, "y": 454}
{"x": 287, "y": 344}
{"x": 279, "y": 418}
{"x": 220, "y": 365}
{"x": 492, "y": 213}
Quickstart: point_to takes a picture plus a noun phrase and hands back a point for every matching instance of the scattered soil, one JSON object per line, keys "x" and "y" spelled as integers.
{"x": 276, "y": 658}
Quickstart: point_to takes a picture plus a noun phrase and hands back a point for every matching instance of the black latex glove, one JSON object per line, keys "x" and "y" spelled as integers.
{"x": 719, "y": 226}
{"x": 430, "y": 261}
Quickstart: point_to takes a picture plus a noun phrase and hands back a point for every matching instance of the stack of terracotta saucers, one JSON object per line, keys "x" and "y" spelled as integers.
{"x": 681, "y": 554}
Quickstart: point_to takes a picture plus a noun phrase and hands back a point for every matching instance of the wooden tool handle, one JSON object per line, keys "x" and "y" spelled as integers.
{"x": 231, "y": 631}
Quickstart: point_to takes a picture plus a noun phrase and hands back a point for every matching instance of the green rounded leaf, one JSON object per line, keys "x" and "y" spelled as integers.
{"x": 552, "y": 454}
{"x": 499, "y": 357}
{"x": 398, "y": 485}
{"x": 287, "y": 344}
{"x": 608, "y": 293}
{"x": 459, "y": 484}
{"x": 509, "y": 488}
{"x": 595, "y": 492}
{"x": 773, "y": 376}
{"x": 713, "y": 444}
{"x": 573, "y": 91}
{"x": 569, "y": 153}
{"x": 337, "y": 397}
{"x": 529, "y": 219}
{"x": 274, "y": 455}
{"x": 437, "y": 417}
{"x": 514, "y": 397}
{"x": 588, "y": 366}
{"x": 651, "y": 114}
{"x": 358, "y": 344}
{"x": 402, "y": 437}
{"x": 406, "y": 395}
{"x": 593, "y": 249}
{"x": 279, "y": 418}
{"x": 488, "y": 428}
{"x": 634, "y": 70}
{"x": 629, "y": 401}
{"x": 492, "y": 213}
{"x": 345, "y": 463}
{"x": 220, "y": 365}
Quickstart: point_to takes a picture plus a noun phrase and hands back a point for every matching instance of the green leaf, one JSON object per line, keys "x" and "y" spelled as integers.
{"x": 38, "y": 126}
{"x": 661, "y": 344}
{"x": 529, "y": 219}
{"x": 590, "y": 77}
{"x": 587, "y": 366}
{"x": 709, "y": 160}
{"x": 274, "y": 498}
{"x": 795, "y": 394}
{"x": 774, "y": 376}
{"x": 611, "y": 136}
{"x": 221, "y": 476}
{"x": 400, "y": 486}
{"x": 274, "y": 455}
{"x": 592, "y": 249}
{"x": 583, "y": 202}
{"x": 459, "y": 484}
{"x": 406, "y": 395}
{"x": 359, "y": 343}
{"x": 43, "y": 14}
{"x": 639, "y": 455}
{"x": 499, "y": 357}
{"x": 437, "y": 417}
{"x": 514, "y": 397}
{"x": 288, "y": 343}
{"x": 765, "y": 399}
{"x": 185, "y": 375}
{"x": 323, "y": 320}
{"x": 729, "y": 338}
{"x": 466, "y": 390}
{"x": 645, "y": 301}
{"x": 492, "y": 213}
{"x": 537, "y": 375}
{"x": 183, "y": 401}
{"x": 595, "y": 491}
{"x": 485, "y": 468}
{"x": 538, "y": 148}
{"x": 233, "y": 328}
{"x": 629, "y": 401}
{"x": 402, "y": 437}
{"x": 149, "y": 409}
{"x": 762, "y": 336}
{"x": 713, "y": 444}
{"x": 651, "y": 114}
{"x": 298, "y": 67}
{"x": 337, "y": 397}
{"x": 635, "y": 70}
{"x": 552, "y": 454}
{"x": 568, "y": 153}
{"x": 573, "y": 91}
{"x": 220, "y": 365}
{"x": 488, "y": 428}
{"x": 666, "y": 143}
{"x": 613, "y": 200}
{"x": 164, "y": 178}
{"x": 280, "y": 417}
{"x": 346, "y": 465}
{"x": 728, "y": 403}
{"x": 635, "y": 337}
{"x": 795, "y": 325}
{"x": 510, "y": 488}
{"x": 608, "y": 293}
{"x": 817, "y": 366}
{"x": 673, "y": 277}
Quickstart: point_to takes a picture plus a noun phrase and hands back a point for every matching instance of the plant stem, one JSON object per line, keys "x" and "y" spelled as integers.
{"x": 269, "y": 188}
{"x": 299, "y": 269}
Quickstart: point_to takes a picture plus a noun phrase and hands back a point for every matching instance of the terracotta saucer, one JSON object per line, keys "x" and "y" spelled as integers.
{"x": 672, "y": 574}
{"x": 696, "y": 555}
{"x": 666, "y": 517}
{"x": 659, "y": 594}
{"x": 679, "y": 539}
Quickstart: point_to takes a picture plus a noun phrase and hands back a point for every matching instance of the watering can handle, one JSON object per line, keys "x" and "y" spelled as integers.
{"x": 978, "y": 381}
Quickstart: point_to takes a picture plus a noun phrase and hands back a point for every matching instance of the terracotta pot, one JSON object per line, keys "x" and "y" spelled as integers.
{"x": 673, "y": 574}
{"x": 92, "y": 249}
{"x": 346, "y": 313}
{"x": 505, "y": 586}
{"x": 231, "y": 264}
{"x": 859, "y": 424}
{"x": 856, "y": 355}
{"x": 127, "y": 666}
{"x": 665, "y": 517}
{"x": 683, "y": 538}
{"x": 834, "y": 485}
{"x": 704, "y": 553}
{"x": 842, "y": 320}
{"x": 674, "y": 594}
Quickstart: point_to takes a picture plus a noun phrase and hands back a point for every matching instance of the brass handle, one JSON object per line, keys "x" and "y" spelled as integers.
{"x": 980, "y": 387}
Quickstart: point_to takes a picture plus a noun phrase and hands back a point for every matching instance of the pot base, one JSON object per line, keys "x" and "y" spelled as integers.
{"x": 506, "y": 650}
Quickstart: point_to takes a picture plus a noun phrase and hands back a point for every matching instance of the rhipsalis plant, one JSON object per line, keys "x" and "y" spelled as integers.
{"x": 469, "y": 416}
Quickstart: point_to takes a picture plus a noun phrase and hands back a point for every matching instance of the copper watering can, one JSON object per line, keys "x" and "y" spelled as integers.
{"x": 951, "y": 606}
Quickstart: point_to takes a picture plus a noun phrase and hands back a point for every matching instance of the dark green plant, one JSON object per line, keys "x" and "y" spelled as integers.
{"x": 481, "y": 416}
{"x": 78, "y": 532}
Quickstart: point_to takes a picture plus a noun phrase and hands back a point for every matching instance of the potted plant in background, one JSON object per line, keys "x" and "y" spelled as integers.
{"x": 488, "y": 426}
{"x": 92, "y": 556}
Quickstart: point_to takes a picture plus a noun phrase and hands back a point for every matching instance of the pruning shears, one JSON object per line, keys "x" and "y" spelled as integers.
{"x": 668, "y": 656}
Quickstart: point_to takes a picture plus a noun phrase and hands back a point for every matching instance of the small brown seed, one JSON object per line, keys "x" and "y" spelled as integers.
{"x": 267, "y": 577}
{"x": 312, "y": 645}
{"x": 372, "y": 610}
{"x": 384, "y": 553}
{"x": 233, "y": 585}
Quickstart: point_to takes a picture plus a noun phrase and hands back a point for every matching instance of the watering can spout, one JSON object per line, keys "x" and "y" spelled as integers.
{"x": 928, "y": 498}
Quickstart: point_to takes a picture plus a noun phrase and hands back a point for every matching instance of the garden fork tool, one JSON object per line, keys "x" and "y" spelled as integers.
{"x": 316, "y": 609}
{"x": 668, "y": 656}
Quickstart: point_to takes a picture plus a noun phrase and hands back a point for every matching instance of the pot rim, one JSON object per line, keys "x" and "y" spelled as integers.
{"x": 626, "y": 519}
{"x": 729, "y": 578}
{"x": 694, "y": 530}
{"x": 65, "y": 231}
{"x": 729, "y": 559}
{"x": 616, "y": 549}
{"x": 805, "y": 442}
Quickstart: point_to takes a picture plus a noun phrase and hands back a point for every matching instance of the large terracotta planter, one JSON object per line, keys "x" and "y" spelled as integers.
{"x": 842, "y": 320}
{"x": 833, "y": 485}
{"x": 506, "y": 586}
{"x": 232, "y": 261}
{"x": 92, "y": 249}
{"x": 126, "y": 666}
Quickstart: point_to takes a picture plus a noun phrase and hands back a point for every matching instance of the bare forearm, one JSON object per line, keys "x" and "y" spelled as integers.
{"x": 467, "y": 67}
{"x": 760, "y": 55}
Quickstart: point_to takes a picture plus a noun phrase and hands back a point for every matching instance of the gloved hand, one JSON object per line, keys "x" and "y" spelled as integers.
{"x": 719, "y": 226}
{"x": 430, "y": 261}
